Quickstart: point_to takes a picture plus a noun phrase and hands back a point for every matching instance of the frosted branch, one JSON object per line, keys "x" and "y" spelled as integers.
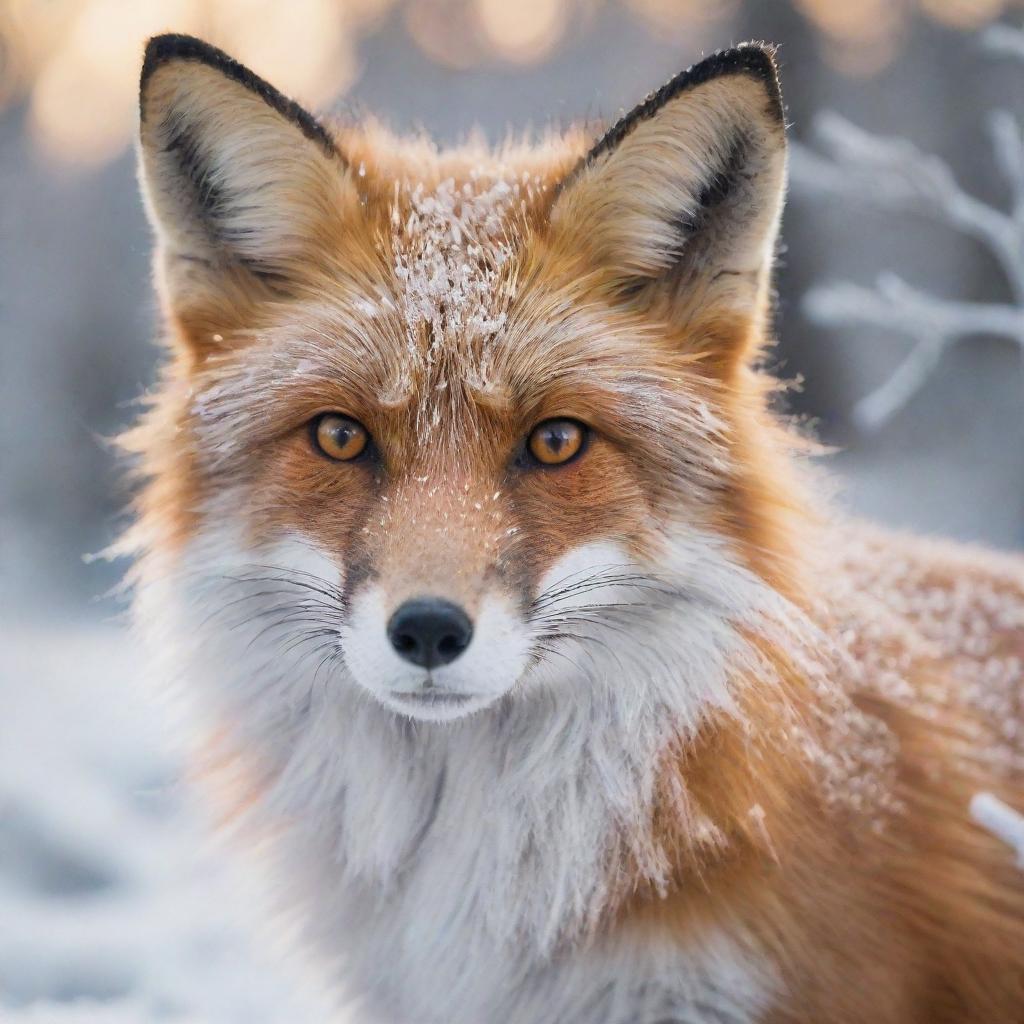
{"x": 1001, "y": 820}
{"x": 896, "y": 306}
{"x": 933, "y": 323}
{"x": 894, "y": 174}
{"x": 1008, "y": 148}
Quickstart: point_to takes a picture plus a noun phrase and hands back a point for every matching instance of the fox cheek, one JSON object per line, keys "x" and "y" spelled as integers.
{"x": 579, "y": 576}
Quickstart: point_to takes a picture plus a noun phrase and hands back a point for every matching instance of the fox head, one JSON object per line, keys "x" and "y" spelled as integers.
{"x": 463, "y": 421}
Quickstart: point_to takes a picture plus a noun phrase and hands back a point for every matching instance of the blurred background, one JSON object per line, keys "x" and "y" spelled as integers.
{"x": 901, "y": 290}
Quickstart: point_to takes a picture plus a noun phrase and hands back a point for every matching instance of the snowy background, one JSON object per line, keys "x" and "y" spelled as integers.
{"x": 116, "y": 906}
{"x": 115, "y": 903}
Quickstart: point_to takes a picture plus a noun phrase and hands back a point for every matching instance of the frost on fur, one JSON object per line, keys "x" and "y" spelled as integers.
{"x": 449, "y": 246}
{"x": 894, "y": 174}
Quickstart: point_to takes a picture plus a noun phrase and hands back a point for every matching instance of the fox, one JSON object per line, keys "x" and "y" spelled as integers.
{"x": 524, "y": 644}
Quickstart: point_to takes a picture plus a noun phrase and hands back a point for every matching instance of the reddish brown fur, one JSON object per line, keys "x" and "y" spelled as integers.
{"x": 913, "y": 916}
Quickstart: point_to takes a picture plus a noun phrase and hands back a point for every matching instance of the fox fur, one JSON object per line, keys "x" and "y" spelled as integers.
{"x": 711, "y": 753}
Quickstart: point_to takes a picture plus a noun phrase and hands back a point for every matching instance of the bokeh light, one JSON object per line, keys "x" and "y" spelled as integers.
{"x": 75, "y": 62}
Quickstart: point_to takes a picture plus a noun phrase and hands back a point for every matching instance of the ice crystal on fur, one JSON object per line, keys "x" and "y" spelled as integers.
{"x": 926, "y": 630}
{"x": 450, "y": 246}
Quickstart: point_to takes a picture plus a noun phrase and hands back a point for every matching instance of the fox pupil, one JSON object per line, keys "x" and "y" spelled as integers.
{"x": 556, "y": 440}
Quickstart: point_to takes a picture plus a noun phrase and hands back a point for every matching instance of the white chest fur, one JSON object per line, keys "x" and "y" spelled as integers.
{"x": 447, "y": 871}
{"x": 452, "y": 887}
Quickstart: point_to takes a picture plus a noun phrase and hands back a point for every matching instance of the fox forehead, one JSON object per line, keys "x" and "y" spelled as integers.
{"x": 444, "y": 272}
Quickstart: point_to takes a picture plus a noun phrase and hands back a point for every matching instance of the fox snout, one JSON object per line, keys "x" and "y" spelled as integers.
{"x": 430, "y": 631}
{"x": 435, "y": 655}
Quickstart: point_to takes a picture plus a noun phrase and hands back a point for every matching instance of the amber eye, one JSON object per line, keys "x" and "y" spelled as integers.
{"x": 339, "y": 437}
{"x": 556, "y": 441}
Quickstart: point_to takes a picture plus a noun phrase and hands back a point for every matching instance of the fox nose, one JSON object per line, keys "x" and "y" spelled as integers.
{"x": 429, "y": 631}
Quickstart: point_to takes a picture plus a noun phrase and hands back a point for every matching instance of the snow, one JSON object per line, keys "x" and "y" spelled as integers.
{"x": 450, "y": 244}
{"x": 116, "y": 906}
{"x": 1002, "y": 821}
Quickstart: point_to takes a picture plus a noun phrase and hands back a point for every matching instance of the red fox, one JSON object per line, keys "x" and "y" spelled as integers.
{"x": 516, "y": 632}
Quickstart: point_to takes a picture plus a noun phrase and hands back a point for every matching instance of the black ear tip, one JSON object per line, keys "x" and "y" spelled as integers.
{"x": 176, "y": 46}
{"x": 754, "y": 59}
{"x": 173, "y": 46}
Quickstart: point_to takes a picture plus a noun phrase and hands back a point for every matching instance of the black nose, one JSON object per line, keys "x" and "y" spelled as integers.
{"x": 429, "y": 631}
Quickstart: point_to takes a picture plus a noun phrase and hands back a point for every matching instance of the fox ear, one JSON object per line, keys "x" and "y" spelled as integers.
{"x": 241, "y": 183}
{"x": 680, "y": 200}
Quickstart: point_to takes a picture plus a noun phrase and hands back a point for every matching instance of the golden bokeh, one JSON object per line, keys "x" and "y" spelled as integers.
{"x": 964, "y": 14}
{"x": 523, "y": 31}
{"x": 75, "y": 63}
{"x": 677, "y": 19}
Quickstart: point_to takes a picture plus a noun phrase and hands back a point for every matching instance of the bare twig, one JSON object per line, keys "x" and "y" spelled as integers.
{"x": 934, "y": 324}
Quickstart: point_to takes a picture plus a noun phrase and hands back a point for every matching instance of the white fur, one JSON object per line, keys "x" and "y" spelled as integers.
{"x": 598, "y": 560}
{"x": 450, "y": 872}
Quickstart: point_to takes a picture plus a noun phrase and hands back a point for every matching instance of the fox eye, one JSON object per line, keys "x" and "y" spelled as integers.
{"x": 339, "y": 437}
{"x": 555, "y": 442}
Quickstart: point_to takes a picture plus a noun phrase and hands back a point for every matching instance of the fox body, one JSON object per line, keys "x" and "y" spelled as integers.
{"x": 514, "y": 631}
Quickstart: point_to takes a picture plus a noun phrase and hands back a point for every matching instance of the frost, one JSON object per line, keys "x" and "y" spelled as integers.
{"x": 449, "y": 251}
{"x": 894, "y": 174}
{"x": 901, "y": 610}
{"x": 451, "y": 243}
{"x": 367, "y": 308}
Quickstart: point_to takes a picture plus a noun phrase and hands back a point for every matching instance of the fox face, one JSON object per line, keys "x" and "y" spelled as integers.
{"x": 461, "y": 420}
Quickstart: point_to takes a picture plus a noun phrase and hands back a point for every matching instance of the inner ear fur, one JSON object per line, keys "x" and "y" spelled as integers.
{"x": 242, "y": 184}
{"x": 678, "y": 203}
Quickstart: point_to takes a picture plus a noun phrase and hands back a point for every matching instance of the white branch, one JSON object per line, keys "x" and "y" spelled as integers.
{"x": 1008, "y": 147}
{"x": 1001, "y": 820}
{"x": 896, "y": 306}
{"x": 895, "y": 174}
{"x": 933, "y": 323}
{"x": 876, "y": 408}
